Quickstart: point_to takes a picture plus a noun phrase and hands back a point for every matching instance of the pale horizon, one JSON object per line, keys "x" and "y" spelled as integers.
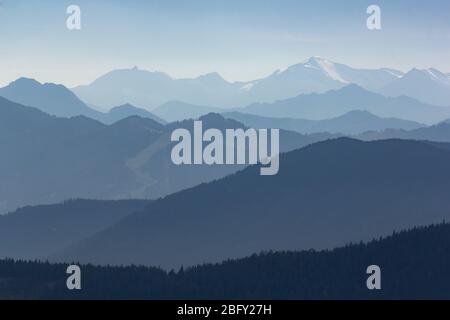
{"x": 192, "y": 75}
{"x": 240, "y": 41}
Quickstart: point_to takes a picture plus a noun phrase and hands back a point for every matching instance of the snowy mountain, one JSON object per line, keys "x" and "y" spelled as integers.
{"x": 318, "y": 75}
{"x": 152, "y": 89}
{"x": 429, "y": 86}
{"x": 315, "y": 75}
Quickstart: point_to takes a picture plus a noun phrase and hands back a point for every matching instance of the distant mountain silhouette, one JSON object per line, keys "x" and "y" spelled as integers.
{"x": 414, "y": 265}
{"x": 430, "y": 86}
{"x": 316, "y": 75}
{"x": 178, "y": 111}
{"x": 353, "y": 122}
{"x": 352, "y": 97}
{"x": 46, "y": 159}
{"x": 325, "y": 195}
{"x": 38, "y": 232}
{"x": 54, "y": 159}
{"x": 438, "y": 133}
{"x": 50, "y": 98}
{"x": 125, "y": 111}
{"x": 59, "y": 101}
{"x": 152, "y": 89}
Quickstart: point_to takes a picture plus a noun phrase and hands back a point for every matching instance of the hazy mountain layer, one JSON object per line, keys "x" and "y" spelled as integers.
{"x": 46, "y": 159}
{"x": 438, "y": 133}
{"x": 353, "y": 122}
{"x": 430, "y": 86}
{"x": 336, "y": 103}
{"x": 59, "y": 101}
{"x": 324, "y": 196}
{"x": 179, "y": 111}
{"x": 152, "y": 89}
{"x": 41, "y": 231}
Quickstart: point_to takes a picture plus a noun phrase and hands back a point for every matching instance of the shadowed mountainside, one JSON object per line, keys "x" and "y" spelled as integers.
{"x": 325, "y": 195}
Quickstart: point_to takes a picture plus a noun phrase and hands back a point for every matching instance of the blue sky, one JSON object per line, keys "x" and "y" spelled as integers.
{"x": 242, "y": 40}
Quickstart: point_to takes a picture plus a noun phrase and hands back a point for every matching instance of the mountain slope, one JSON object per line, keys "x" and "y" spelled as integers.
{"x": 414, "y": 265}
{"x": 59, "y": 101}
{"x": 325, "y": 195}
{"x": 59, "y": 158}
{"x": 178, "y": 111}
{"x": 41, "y": 231}
{"x": 353, "y": 122}
{"x": 49, "y": 98}
{"x": 46, "y": 159}
{"x": 430, "y": 86}
{"x": 352, "y": 97}
{"x": 152, "y": 89}
{"x": 125, "y": 111}
{"x": 155, "y": 165}
{"x": 317, "y": 75}
{"x": 438, "y": 133}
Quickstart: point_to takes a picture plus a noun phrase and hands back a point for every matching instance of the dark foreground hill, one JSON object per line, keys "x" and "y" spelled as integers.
{"x": 325, "y": 195}
{"x": 414, "y": 265}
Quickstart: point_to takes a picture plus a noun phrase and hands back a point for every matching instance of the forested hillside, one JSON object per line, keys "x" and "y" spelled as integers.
{"x": 414, "y": 264}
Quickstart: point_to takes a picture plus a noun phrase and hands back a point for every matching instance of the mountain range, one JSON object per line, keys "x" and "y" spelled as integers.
{"x": 51, "y": 98}
{"x": 152, "y": 89}
{"x": 59, "y": 101}
{"x": 429, "y": 85}
{"x": 316, "y": 75}
{"x": 326, "y": 195}
{"x": 335, "y": 103}
{"x": 351, "y": 123}
{"x": 437, "y": 133}
{"x": 127, "y": 110}
{"x": 178, "y": 111}
{"x": 47, "y": 159}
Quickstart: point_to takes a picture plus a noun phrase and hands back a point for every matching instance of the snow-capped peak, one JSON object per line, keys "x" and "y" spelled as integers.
{"x": 432, "y": 74}
{"x": 328, "y": 67}
{"x": 248, "y": 86}
{"x": 395, "y": 73}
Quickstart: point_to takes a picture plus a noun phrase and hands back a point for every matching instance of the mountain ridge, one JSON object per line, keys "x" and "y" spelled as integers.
{"x": 315, "y": 75}
{"x": 429, "y": 86}
{"x": 323, "y": 189}
{"x": 57, "y": 100}
{"x": 351, "y": 123}
{"x": 84, "y": 158}
{"x": 335, "y": 103}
